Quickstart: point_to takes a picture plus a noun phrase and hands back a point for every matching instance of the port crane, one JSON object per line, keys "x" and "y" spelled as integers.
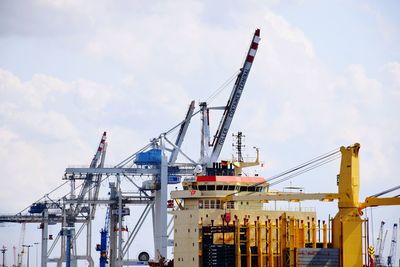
{"x": 67, "y": 211}
{"x": 393, "y": 246}
{"x": 150, "y": 163}
{"x": 348, "y": 221}
{"x": 229, "y": 108}
{"x": 20, "y": 245}
{"x": 380, "y": 243}
{"x": 103, "y": 246}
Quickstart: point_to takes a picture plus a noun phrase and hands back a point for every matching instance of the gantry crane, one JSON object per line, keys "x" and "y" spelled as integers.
{"x": 391, "y": 259}
{"x": 80, "y": 208}
{"x": 66, "y": 211}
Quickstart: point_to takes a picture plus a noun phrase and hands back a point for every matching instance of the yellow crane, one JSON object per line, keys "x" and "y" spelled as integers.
{"x": 347, "y": 224}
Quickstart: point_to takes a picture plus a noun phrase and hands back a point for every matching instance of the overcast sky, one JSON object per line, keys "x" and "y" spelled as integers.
{"x": 327, "y": 74}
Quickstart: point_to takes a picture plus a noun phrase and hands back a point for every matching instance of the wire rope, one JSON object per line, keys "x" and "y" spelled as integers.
{"x": 305, "y": 164}
{"x": 300, "y": 169}
{"x": 222, "y": 87}
{"x": 305, "y": 170}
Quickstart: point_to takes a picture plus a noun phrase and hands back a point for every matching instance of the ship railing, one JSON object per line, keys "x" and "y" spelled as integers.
{"x": 295, "y": 209}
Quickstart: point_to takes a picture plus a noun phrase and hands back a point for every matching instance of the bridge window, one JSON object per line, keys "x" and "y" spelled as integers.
{"x": 230, "y": 204}
{"x": 210, "y": 204}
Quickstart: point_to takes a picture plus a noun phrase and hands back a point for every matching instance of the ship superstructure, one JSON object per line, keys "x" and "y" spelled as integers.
{"x": 221, "y": 220}
{"x": 210, "y": 229}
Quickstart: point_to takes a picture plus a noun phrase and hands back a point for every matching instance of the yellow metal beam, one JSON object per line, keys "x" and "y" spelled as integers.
{"x": 281, "y": 196}
{"x": 347, "y": 224}
{"x": 380, "y": 201}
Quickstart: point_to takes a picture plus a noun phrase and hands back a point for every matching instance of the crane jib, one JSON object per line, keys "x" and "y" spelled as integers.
{"x": 235, "y": 101}
{"x": 227, "y": 117}
{"x": 233, "y": 105}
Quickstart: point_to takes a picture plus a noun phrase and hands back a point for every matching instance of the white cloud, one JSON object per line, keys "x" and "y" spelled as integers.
{"x": 292, "y": 107}
{"x": 392, "y": 70}
{"x": 356, "y": 87}
{"x": 291, "y": 35}
{"x": 386, "y": 29}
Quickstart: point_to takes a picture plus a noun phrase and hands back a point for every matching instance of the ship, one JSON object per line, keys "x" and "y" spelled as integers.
{"x": 219, "y": 216}
{"x": 220, "y": 219}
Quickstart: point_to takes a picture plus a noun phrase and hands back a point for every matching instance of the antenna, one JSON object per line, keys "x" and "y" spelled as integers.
{"x": 238, "y": 145}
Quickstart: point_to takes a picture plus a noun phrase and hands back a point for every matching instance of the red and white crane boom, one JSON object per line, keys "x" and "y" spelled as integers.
{"x": 227, "y": 117}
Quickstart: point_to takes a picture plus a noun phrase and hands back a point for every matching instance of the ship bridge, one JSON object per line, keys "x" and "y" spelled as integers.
{"x": 227, "y": 183}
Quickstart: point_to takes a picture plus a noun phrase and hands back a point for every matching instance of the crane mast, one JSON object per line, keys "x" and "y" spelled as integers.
{"x": 89, "y": 181}
{"x": 20, "y": 246}
{"x": 230, "y": 108}
{"x": 181, "y": 134}
{"x": 380, "y": 245}
{"x": 205, "y": 133}
{"x": 393, "y": 245}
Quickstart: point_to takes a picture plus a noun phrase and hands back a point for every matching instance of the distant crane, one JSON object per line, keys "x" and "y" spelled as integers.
{"x": 103, "y": 246}
{"x": 15, "y": 256}
{"x": 3, "y": 251}
{"x": 20, "y": 246}
{"x": 393, "y": 245}
{"x": 379, "y": 246}
{"x": 382, "y": 263}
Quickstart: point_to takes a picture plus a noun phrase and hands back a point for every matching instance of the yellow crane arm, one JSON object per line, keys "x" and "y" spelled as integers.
{"x": 380, "y": 201}
{"x": 282, "y": 196}
{"x": 376, "y": 200}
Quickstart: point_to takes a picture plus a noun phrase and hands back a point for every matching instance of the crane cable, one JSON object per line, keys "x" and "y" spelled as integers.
{"x": 304, "y": 167}
{"x": 227, "y": 82}
{"x": 299, "y": 169}
{"x": 222, "y": 87}
{"x": 208, "y": 100}
{"x": 309, "y": 168}
{"x": 305, "y": 164}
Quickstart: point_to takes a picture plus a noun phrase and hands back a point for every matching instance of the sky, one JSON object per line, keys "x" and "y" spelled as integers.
{"x": 327, "y": 74}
